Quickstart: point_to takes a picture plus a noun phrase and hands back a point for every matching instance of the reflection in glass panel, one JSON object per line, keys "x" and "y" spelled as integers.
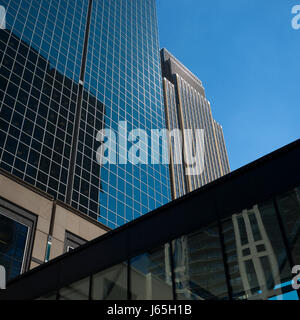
{"x": 288, "y": 296}
{"x": 242, "y": 229}
{"x": 110, "y": 284}
{"x": 254, "y": 227}
{"x": 49, "y": 296}
{"x": 289, "y": 207}
{"x": 13, "y": 237}
{"x": 151, "y": 275}
{"x": 76, "y": 291}
{"x": 199, "y": 266}
{"x": 259, "y": 267}
{"x": 251, "y": 276}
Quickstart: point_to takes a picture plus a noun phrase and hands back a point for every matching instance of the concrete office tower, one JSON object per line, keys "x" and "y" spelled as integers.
{"x": 68, "y": 70}
{"x": 187, "y": 108}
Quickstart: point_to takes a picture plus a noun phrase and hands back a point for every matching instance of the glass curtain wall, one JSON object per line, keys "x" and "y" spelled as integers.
{"x": 247, "y": 256}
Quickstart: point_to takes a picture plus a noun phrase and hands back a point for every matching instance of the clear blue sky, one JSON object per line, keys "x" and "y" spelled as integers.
{"x": 248, "y": 58}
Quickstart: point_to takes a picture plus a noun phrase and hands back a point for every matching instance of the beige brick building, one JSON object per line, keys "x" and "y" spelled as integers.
{"x": 49, "y": 227}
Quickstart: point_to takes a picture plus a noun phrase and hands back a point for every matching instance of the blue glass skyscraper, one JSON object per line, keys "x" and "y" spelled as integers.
{"x": 69, "y": 69}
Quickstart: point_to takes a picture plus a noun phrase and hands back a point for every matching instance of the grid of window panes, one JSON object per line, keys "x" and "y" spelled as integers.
{"x": 41, "y": 60}
{"x": 249, "y": 245}
{"x": 87, "y": 182}
{"x": 123, "y": 72}
{"x": 222, "y": 148}
{"x": 41, "y": 52}
{"x": 177, "y": 170}
{"x": 196, "y": 114}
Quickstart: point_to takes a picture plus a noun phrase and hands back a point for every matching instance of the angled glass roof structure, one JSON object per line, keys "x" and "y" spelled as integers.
{"x": 239, "y": 239}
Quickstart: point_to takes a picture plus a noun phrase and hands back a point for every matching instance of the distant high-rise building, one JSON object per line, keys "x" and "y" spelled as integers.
{"x": 186, "y": 107}
{"x": 69, "y": 69}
